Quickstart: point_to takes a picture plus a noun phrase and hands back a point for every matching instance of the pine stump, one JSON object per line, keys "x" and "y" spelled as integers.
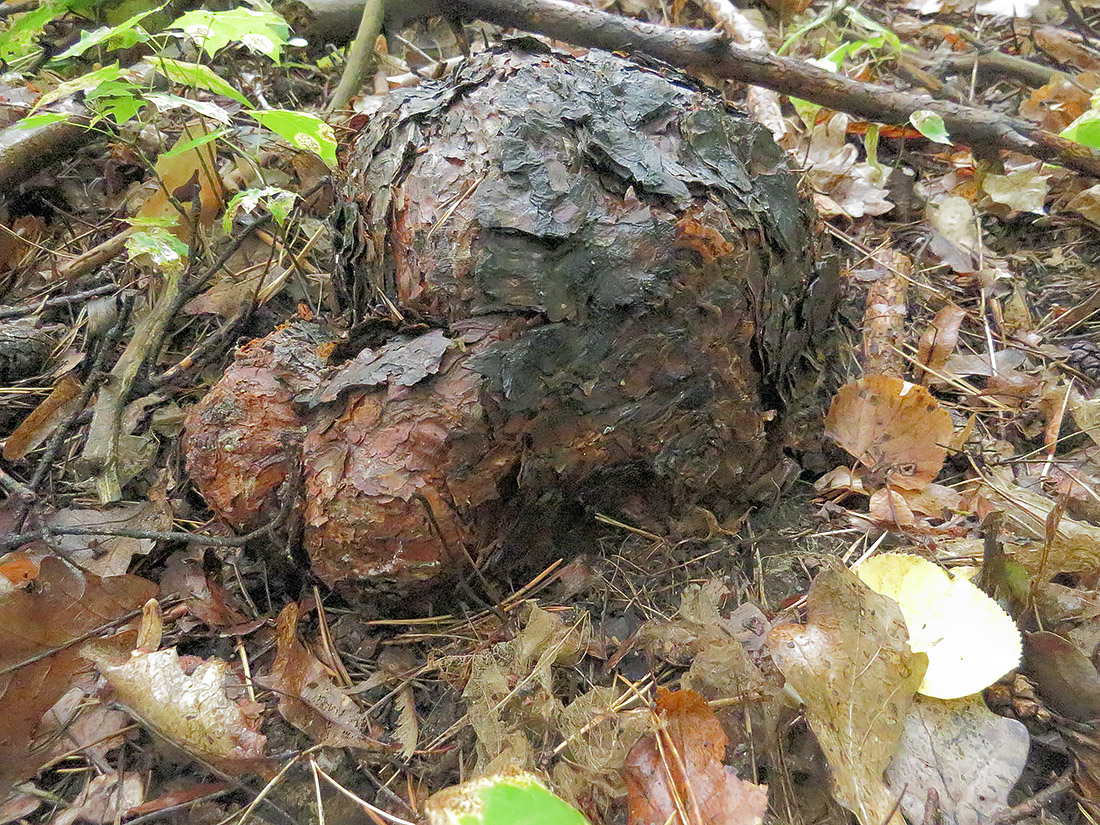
{"x": 603, "y": 282}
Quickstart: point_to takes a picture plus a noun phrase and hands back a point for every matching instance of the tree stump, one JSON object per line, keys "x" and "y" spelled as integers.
{"x": 603, "y": 279}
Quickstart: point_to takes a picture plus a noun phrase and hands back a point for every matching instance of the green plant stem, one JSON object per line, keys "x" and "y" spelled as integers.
{"x": 360, "y": 55}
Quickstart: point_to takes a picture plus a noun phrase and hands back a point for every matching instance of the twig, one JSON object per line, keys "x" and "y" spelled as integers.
{"x": 60, "y": 301}
{"x": 710, "y": 52}
{"x": 49, "y": 456}
{"x": 101, "y": 448}
{"x": 268, "y": 530}
{"x": 1032, "y": 806}
{"x": 94, "y": 257}
{"x": 360, "y": 55}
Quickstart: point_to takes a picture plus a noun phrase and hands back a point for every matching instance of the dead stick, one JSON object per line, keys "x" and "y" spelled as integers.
{"x": 710, "y": 52}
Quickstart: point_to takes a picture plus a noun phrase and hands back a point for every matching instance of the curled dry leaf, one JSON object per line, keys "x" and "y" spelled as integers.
{"x": 309, "y": 698}
{"x": 853, "y": 669}
{"x": 104, "y": 800}
{"x": 678, "y": 770}
{"x": 966, "y": 753}
{"x": 38, "y": 658}
{"x": 189, "y": 709}
{"x": 895, "y": 429}
{"x": 938, "y": 342}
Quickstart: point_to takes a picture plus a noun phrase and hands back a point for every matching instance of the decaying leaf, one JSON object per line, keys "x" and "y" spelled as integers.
{"x": 106, "y": 555}
{"x": 970, "y": 641}
{"x": 964, "y": 752}
{"x": 1074, "y": 547}
{"x": 61, "y": 609}
{"x": 46, "y": 417}
{"x": 187, "y": 708}
{"x": 1066, "y": 678}
{"x": 104, "y": 800}
{"x": 309, "y": 697}
{"x": 676, "y": 777}
{"x": 509, "y": 694}
{"x": 938, "y": 342}
{"x": 853, "y": 669}
{"x": 895, "y": 429}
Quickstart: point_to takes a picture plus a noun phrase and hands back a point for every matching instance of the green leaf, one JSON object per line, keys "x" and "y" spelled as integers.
{"x": 930, "y": 125}
{"x": 201, "y": 140}
{"x": 512, "y": 798}
{"x": 197, "y": 76}
{"x": 166, "y": 251}
{"x": 122, "y": 36}
{"x": 119, "y": 100}
{"x": 264, "y": 32}
{"x": 1085, "y": 130}
{"x": 277, "y": 201}
{"x": 167, "y": 102}
{"x": 306, "y": 132}
{"x": 44, "y": 119}
{"x": 21, "y": 37}
{"x": 84, "y": 83}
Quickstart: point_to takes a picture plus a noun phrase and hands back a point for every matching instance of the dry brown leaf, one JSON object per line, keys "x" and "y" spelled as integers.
{"x": 676, "y": 776}
{"x": 176, "y": 171}
{"x": 1074, "y": 546}
{"x": 45, "y": 418}
{"x": 309, "y": 697}
{"x": 63, "y": 607}
{"x": 852, "y": 667}
{"x": 106, "y": 555}
{"x": 1057, "y": 104}
{"x": 938, "y": 342}
{"x": 104, "y": 800}
{"x": 895, "y": 429}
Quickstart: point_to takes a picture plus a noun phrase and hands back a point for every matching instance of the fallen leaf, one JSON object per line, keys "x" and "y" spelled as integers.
{"x": 1022, "y": 190}
{"x": 309, "y": 697}
{"x": 56, "y": 408}
{"x": 104, "y": 800}
{"x": 895, "y": 429}
{"x": 38, "y": 658}
{"x": 190, "y": 709}
{"x": 678, "y": 770}
{"x": 938, "y": 342}
{"x": 106, "y": 555}
{"x": 856, "y": 675}
{"x": 175, "y": 170}
{"x": 1066, "y": 678}
{"x": 970, "y": 641}
{"x": 964, "y": 752}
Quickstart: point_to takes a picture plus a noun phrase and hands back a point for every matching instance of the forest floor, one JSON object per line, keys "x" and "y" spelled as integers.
{"x": 158, "y": 665}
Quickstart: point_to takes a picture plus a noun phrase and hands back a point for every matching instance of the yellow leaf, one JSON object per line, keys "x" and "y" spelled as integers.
{"x": 970, "y": 641}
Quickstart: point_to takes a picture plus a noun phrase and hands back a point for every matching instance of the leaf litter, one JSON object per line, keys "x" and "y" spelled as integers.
{"x": 977, "y": 277}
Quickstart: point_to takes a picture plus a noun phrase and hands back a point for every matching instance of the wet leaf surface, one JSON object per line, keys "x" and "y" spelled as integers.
{"x": 676, "y": 775}
{"x": 853, "y": 670}
{"x": 40, "y": 654}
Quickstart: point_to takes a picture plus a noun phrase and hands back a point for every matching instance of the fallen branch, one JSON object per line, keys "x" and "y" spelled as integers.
{"x": 712, "y": 53}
